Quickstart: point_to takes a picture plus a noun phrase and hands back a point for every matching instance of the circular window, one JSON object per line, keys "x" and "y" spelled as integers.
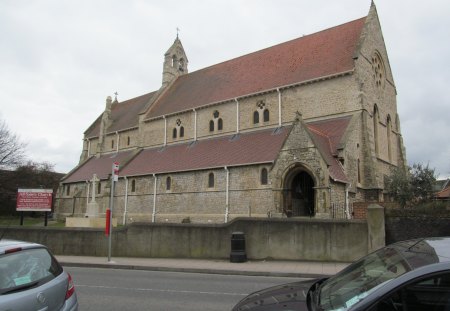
{"x": 378, "y": 70}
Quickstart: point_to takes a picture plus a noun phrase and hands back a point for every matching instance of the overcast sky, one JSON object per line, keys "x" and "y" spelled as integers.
{"x": 60, "y": 59}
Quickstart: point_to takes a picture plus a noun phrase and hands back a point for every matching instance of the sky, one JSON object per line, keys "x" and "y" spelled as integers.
{"x": 60, "y": 59}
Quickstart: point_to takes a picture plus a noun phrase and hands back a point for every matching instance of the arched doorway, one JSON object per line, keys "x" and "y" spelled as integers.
{"x": 299, "y": 196}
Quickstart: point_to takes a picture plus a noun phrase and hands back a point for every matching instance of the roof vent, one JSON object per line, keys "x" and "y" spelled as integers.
{"x": 192, "y": 144}
{"x": 235, "y": 137}
{"x": 277, "y": 131}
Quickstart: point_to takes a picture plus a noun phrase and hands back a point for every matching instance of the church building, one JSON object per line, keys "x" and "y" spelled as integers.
{"x": 293, "y": 130}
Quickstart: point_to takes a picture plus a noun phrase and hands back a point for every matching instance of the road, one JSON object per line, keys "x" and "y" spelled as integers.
{"x": 114, "y": 289}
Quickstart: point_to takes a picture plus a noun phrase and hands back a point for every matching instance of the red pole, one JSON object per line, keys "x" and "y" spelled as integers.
{"x": 108, "y": 224}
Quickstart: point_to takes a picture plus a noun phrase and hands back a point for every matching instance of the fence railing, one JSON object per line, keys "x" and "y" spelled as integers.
{"x": 339, "y": 211}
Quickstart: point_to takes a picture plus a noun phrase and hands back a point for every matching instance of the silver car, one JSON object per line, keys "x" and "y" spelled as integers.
{"x": 32, "y": 279}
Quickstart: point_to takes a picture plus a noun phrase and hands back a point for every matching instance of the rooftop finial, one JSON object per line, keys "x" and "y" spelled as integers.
{"x": 178, "y": 31}
{"x": 115, "y": 93}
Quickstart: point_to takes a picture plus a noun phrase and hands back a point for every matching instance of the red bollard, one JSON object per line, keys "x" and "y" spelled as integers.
{"x": 108, "y": 222}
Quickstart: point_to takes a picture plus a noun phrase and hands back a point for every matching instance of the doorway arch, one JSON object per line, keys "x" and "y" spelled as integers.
{"x": 299, "y": 193}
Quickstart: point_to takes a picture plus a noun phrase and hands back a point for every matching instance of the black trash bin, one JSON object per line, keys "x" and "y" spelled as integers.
{"x": 238, "y": 253}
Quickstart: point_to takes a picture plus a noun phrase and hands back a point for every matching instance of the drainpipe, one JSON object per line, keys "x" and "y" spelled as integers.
{"x": 195, "y": 124}
{"x": 227, "y": 194}
{"x": 165, "y": 130}
{"x": 118, "y": 141}
{"x": 87, "y": 193}
{"x": 279, "y": 107}
{"x": 154, "y": 198}
{"x": 347, "y": 211}
{"x": 237, "y": 115}
{"x": 126, "y": 202}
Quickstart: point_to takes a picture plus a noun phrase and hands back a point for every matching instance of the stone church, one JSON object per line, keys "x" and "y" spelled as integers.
{"x": 291, "y": 130}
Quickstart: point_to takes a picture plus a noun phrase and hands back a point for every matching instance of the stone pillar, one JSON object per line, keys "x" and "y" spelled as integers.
{"x": 375, "y": 227}
{"x": 92, "y": 209}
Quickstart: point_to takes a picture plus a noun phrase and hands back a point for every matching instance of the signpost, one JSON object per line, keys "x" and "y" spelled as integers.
{"x": 34, "y": 200}
{"x": 109, "y": 212}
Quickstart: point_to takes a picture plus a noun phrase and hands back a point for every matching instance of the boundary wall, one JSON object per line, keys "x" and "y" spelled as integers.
{"x": 271, "y": 239}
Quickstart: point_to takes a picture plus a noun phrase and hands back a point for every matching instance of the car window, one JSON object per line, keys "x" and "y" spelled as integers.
{"x": 357, "y": 281}
{"x": 432, "y": 294}
{"x": 27, "y": 267}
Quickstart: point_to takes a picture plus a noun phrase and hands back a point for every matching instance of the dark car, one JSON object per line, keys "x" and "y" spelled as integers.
{"x": 405, "y": 276}
{"x": 32, "y": 279}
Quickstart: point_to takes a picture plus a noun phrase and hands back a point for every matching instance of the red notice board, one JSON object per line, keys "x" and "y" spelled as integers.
{"x": 34, "y": 200}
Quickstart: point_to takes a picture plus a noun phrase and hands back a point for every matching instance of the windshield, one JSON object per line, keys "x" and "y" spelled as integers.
{"x": 26, "y": 268}
{"x": 358, "y": 280}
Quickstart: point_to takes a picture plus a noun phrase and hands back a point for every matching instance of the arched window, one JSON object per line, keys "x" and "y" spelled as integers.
{"x": 375, "y": 128}
{"x": 211, "y": 180}
{"x": 389, "y": 130}
{"x": 128, "y": 141}
{"x": 211, "y": 126}
{"x": 168, "y": 183}
{"x": 174, "y": 60}
{"x": 255, "y": 117}
{"x": 266, "y": 115}
{"x": 182, "y": 131}
{"x": 112, "y": 144}
{"x": 67, "y": 189}
{"x": 220, "y": 124}
{"x": 264, "y": 176}
{"x": 133, "y": 185}
{"x": 99, "y": 188}
{"x": 174, "y": 133}
{"x": 181, "y": 64}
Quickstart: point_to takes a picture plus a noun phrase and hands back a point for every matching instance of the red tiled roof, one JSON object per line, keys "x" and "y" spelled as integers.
{"x": 327, "y": 135}
{"x": 318, "y": 55}
{"x": 443, "y": 194}
{"x": 243, "y": 149}
{"x": 124, "y": 115}
{"x": 101, "y": 166}
{"x": 247, "y": 148}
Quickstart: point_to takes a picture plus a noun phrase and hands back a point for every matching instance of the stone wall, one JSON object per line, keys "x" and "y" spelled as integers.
{"x": 279, "y": 239}
{"x": 189, "y": 196}
{"x": 403, "y": 224}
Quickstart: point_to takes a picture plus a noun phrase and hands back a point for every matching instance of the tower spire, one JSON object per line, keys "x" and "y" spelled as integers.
{"x": 175, "y": 62}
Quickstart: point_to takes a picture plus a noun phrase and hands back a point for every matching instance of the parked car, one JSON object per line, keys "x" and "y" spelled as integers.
{"x": 410, "y": 275}
{"x": 32, "y": 279}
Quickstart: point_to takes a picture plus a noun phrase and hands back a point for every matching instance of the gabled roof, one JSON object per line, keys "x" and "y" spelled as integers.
{"x": 232, "y": 150}
{"x": 327, "y": 135}
{"x": 326, "y": 53}
{"x": 235, "y": 150}
{"x": 124, "y": 115}
{"x": 444, "y": 194}
{"x": 102, "y": 166}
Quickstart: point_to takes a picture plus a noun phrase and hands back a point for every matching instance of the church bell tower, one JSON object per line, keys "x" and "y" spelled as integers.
{"x": 175, "y": 62}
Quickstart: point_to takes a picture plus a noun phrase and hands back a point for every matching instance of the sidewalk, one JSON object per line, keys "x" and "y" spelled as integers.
{"x": 212, "y": 266}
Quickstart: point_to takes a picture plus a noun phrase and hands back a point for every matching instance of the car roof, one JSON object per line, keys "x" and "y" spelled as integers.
{"x": 6, "y": 244}
{"x": 424, "y": 251}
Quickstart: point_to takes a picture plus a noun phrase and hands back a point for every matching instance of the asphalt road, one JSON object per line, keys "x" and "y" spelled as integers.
{"x": 114, "y": 289}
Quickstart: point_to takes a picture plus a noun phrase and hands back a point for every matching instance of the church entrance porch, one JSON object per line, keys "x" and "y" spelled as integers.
{"x": 299, "y": 194}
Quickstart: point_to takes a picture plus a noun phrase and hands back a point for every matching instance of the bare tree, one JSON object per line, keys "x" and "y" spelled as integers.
{"x": 12, "y": 150}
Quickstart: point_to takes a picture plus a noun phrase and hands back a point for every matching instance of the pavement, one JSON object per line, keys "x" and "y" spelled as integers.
{"x": 301, "y": 269}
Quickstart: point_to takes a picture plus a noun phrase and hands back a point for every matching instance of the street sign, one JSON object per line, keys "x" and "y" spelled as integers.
{"x": 115, "y": 169}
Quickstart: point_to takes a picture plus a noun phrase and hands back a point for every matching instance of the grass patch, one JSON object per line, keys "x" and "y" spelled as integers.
{"x": 29, "y": 221}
